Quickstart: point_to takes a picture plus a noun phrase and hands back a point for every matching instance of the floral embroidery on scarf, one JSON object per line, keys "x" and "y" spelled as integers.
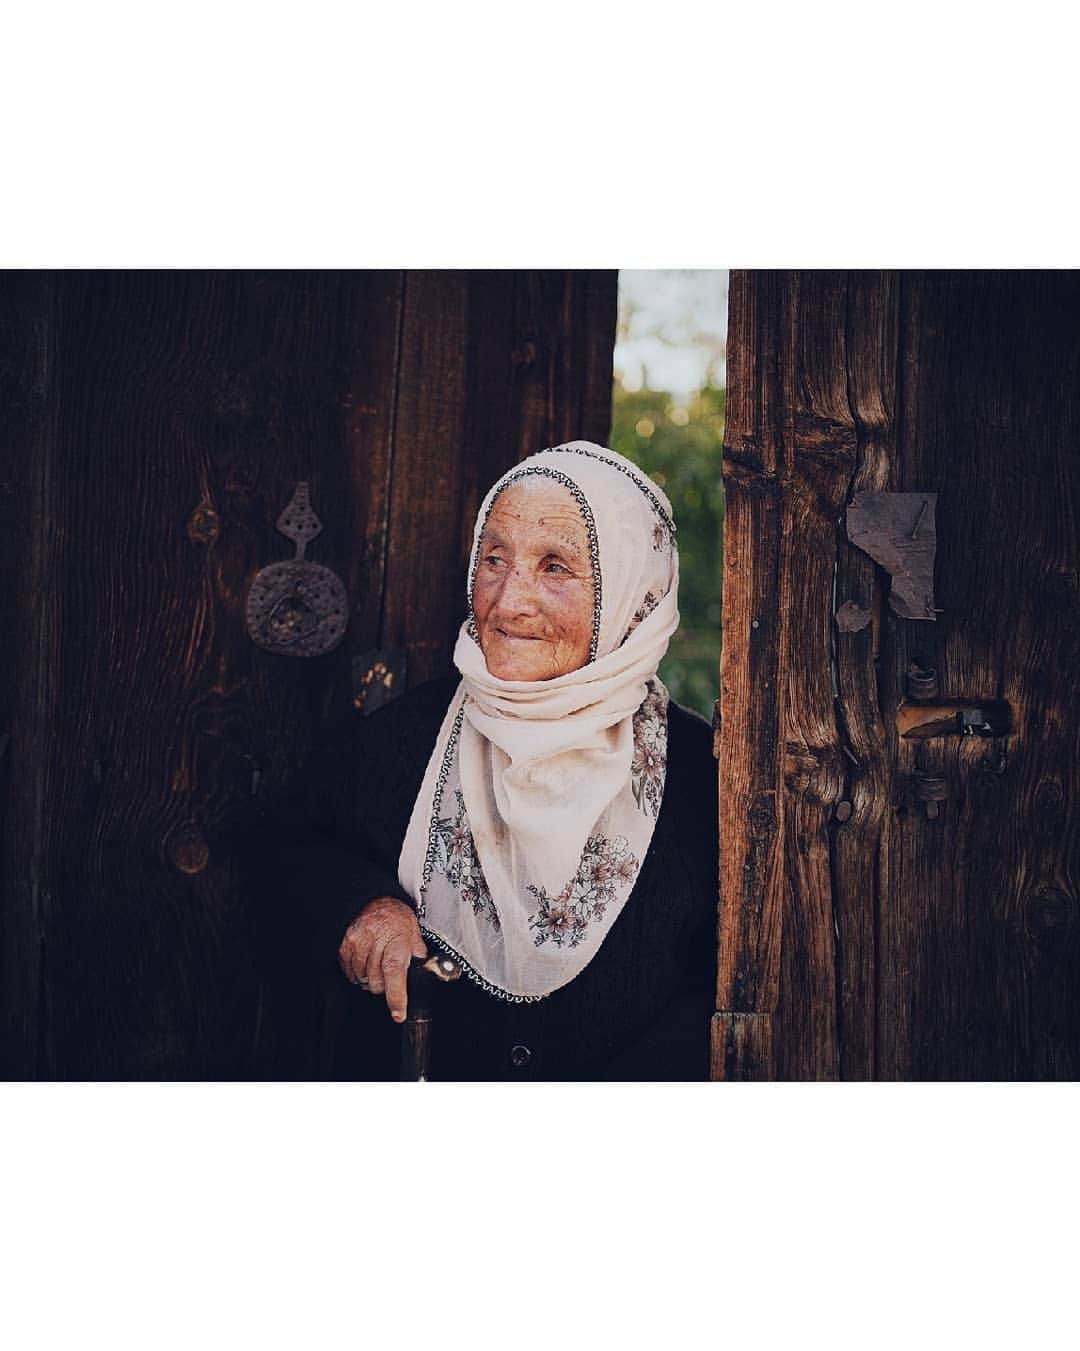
{"x": 457, "y": 860}
{"x": 650, "y": 753}
{"x": 643, "y": 611}
{"x": 661, "y": 539}
{"x": 564, "y": 919}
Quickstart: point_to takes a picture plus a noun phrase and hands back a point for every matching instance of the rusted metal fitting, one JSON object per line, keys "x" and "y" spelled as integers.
{"x": 378, "y": 676}
{"x": 187, "y": 849}
{"x": 931, "y": 789}
{"x": 922, "y": 682}
{"x": 204, "y": 524}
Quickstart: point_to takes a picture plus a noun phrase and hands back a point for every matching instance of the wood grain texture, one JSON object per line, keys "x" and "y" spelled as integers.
{"x": 788, "y": 452}
{"x": 751, "y": 842}
{"x": 979, "y": 938}
{"x": 741, "y": 1045}
{"x": 860, "y": 840}
{"x": 155, "y": 426}
{"x": 494, "y": 366}
{"x": 174, "y": 390}
{"x": 369, "y": 361}
{"x": 31, "y": 550}
{"x": 911, "y": 947}
{"x": 820, "y": 462}
{"x": 421, "y": 613}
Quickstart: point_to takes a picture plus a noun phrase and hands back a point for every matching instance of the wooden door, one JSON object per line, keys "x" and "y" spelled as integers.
{"x": 155, "y": 425}
{"x": 894, "y": 908}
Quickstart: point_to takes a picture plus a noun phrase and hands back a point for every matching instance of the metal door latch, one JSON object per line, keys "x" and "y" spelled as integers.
{"x": 964, "y": 722}
{"x": 920, "y": 722}
{"x": 297, "y": 608}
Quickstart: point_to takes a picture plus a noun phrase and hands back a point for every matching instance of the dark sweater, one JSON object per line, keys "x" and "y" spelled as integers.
{"x": 640, "y": 1009}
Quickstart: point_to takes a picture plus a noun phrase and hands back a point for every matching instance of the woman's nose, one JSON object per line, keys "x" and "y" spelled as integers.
{"x": 518, "y": 592}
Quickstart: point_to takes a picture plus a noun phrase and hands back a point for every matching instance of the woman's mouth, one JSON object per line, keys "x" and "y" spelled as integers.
{"x": 518, "y": 637}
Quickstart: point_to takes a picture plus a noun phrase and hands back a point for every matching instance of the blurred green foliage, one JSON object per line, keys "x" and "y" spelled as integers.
{"x": 679, "y": 445}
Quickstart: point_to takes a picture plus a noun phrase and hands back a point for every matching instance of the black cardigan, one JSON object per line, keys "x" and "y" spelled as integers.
{"x": 641, "y": 1008}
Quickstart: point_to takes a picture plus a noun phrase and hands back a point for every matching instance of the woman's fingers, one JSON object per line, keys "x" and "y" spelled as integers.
{"x": 387, "y": 972}
{"x": 377, "y": 949}
{"x": 374, "y": 969}
{"x": 395, "y": 965}
{"x": 349, "y": 958}
{"x": 355, "y": 948}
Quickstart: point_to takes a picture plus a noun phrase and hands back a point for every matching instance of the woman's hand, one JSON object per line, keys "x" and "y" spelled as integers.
{"x": 377, "y": 949}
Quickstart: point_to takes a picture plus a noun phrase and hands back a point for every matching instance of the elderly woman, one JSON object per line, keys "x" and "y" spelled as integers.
{"x": 548, "y": 820}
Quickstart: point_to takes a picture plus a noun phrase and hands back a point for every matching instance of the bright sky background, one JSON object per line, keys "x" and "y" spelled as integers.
{"x": 672, "y": 328}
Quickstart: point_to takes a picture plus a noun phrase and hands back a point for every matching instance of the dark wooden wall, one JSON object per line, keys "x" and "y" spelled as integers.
{"x": 154, "y": 426}
{"x": 860, "y": 937}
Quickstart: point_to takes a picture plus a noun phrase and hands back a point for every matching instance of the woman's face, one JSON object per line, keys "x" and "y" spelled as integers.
{"x": 533, "y": 589}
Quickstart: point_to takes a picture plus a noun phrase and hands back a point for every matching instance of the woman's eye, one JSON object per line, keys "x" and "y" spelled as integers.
{"x": 492, "y": 560}
{"x": 557, "y": 568}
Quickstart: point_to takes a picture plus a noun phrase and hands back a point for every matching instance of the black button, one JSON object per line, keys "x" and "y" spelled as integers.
{"x": 520, "y": 1056}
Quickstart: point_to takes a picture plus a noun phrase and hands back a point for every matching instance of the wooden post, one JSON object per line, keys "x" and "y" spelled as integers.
{"x": 789, "y": 453}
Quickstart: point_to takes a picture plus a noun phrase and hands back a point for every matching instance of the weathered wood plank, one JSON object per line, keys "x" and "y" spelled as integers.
{"x": 31, "y": 553}
{"x": 199, "y": 392}
{"x": 337, "y": 334}
{"x": 538, "y": 370}
{"x": 859, "y": 830}
{"x": 741, "y": 1046}
{"x": 753, "y": 426}
{"x": 371, "y": 305}
{"x": 821, "y": 459}
{"x": 421, "y": 614}
{"x": 500, "y": 364}
{"x": 594, "y": 321}
{"x": 983, "y": 927}
{"x": 751, "y": 876}
{"x": 186, "y": 407}
{"x": 750, "y": 805}
{"x": 496, "y": 365}
{"x": 791, "y": 441}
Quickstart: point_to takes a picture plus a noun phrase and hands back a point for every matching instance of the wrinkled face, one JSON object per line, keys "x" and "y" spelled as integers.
{"x": 533, "y": 588}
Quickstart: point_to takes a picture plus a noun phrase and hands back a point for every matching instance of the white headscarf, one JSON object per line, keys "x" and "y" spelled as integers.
{"x": 541, "y": 796}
